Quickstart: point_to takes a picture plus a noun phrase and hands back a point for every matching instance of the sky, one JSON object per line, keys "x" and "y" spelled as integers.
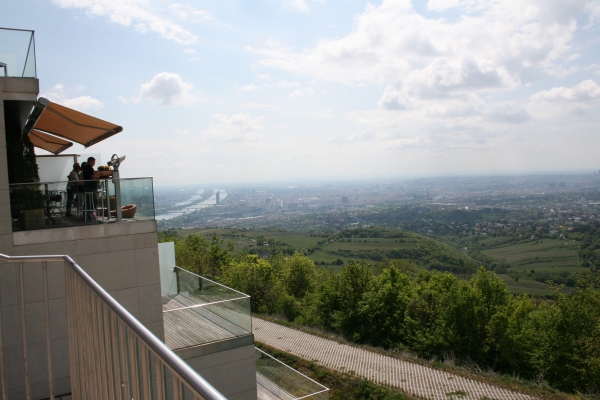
{"x": 225, "y": 91}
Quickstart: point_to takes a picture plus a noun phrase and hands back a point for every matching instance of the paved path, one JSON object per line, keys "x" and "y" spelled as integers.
{"x": 414, "y": 379}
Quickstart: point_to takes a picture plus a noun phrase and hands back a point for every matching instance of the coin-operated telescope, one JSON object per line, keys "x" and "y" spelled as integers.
{"x": 114, "y": 162}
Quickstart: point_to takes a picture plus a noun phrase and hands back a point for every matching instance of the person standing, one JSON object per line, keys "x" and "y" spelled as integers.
{"x": 90, "y": 184}
{"x": 72, "y": 187}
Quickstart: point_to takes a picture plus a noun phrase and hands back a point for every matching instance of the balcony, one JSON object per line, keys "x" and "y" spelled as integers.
{"x": 17, "y": 54}
{"x": 198, "y": 311}
{"x": 47, "y": 205}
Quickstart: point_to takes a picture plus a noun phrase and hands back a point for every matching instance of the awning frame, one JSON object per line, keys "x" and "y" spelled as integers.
{"x": 38, "y": 135}
{"x": 42, "y": 105}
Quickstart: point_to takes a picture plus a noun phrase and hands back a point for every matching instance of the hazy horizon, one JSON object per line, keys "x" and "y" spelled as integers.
{"x": 384, "y": 179}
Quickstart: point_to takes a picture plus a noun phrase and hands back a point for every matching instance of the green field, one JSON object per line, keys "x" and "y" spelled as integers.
{"x": 547, "y": 254}
{"x": 528, "y": 286}
{"x": 550, "y": 257}
{"x": 371, "y": 244}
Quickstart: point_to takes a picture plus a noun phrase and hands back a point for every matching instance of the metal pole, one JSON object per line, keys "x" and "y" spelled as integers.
{"x": 117, "y": 183}
{"x": 48, "y": 342}
{"x": 24, "y": 332}
{"x": 2, "y": 366}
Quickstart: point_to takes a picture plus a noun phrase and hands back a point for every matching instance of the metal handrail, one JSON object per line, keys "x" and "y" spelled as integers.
{"x": 244, "y": 295}
{"x": 77, "y": 182}
{"x": 198, "y": 385}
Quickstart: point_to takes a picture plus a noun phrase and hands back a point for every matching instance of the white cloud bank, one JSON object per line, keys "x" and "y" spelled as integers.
{"x": 494, "y": 46}
{"x": 241, "y": 128}
{"x": 168, "y": 89}
{"x": 299, "y": 5}
{"x": 139, "y": 13}
{"x": 69, "y": 98}
{"x": 586, "y": 91}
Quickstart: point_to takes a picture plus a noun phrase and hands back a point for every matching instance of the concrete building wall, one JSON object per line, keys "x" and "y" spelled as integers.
{"x": 24, "y": 89}
{"x": 228, "y": 365}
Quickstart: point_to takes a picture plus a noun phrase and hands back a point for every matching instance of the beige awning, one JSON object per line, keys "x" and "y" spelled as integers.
{"x": 49, "y": 143}
{"x": 68, "y": 124}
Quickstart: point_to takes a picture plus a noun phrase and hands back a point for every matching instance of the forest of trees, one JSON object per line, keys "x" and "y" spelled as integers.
{"x": 430, "y": 313}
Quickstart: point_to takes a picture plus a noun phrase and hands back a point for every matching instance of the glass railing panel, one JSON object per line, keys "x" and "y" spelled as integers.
{"x": 282, "y": 381}
{"x": 229, "y": 304}
{"x": 138, "y": 192}
{"x": 17, "y": 53}
{"x": 60, "y": 204}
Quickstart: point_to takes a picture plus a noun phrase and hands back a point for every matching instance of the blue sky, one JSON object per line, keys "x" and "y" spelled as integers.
{"x": 237, "y": 91}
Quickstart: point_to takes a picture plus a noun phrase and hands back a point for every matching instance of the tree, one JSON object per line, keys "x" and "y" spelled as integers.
{"x": 383, "y": 309}
{"x": 301, "y": 275}
{"x": 349, "y": 288}
{"x": 255, "y": 277}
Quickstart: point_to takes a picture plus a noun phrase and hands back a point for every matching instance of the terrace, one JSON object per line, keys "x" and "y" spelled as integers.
{"x": 37, "y": 186}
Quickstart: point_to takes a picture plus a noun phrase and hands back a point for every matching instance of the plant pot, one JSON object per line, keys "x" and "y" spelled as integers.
{"x": 127, "y": 211}
{"x": 33, "y": 219}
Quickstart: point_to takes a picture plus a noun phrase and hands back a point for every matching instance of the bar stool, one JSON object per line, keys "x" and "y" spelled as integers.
{"x": 88, "y": 205}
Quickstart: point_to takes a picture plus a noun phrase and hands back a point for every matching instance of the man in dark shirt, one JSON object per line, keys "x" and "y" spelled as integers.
{"x": 91, "y": 185}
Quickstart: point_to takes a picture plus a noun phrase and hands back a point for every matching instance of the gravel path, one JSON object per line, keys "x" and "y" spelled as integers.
{"x": 414, "y": 379}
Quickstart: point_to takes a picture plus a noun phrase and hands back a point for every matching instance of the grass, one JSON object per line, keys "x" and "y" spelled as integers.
{"x": 528, "y": 286}
{"x": 544, "y": 253}
{"x": 371, "y": 244}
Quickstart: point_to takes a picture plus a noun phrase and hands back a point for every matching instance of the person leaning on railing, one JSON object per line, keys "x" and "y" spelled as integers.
{"x": 90, "y": 184}
{"x": 72, "y": 187}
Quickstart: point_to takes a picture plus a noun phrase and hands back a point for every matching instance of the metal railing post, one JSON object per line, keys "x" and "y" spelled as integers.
{"x": 2, "y": 366}
{"x": 24, "y": 332}
{"x": 48, "y": 338}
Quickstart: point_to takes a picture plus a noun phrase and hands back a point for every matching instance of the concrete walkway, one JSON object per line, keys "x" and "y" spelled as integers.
{"x": 413, "y": 379}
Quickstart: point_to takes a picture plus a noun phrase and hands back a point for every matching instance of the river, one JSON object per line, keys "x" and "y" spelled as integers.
{"x": 211, "y": 201}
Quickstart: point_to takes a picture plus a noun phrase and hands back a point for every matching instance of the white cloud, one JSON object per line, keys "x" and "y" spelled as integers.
{"x": 68, "y": 98}
{"x": 236, "y": 128}
{"x": 585, "y": 91}
{"x": 185, "y": 11}
{"x": 408, "y": 143}
{"x": 260, "y": 105}
{"x": 518, "y": 39}
{"x": 182, "y": 132}
{"x": 168, "y": 89}
{"x": 358, "y": 137}
{"x": 137, "y": 13}
{"x": 300, "y": 5}
{"x": 287, "y": 84}
{"x": 248, "y": 88}
{"x": 309, "y": 91}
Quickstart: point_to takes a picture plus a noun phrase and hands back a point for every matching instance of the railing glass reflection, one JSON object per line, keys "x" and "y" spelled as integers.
{"x": 58, "y": 204}
{"x": 17, "y": 53}
{"x": 283, "y": 382}
{"x": 200, "y": 302}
